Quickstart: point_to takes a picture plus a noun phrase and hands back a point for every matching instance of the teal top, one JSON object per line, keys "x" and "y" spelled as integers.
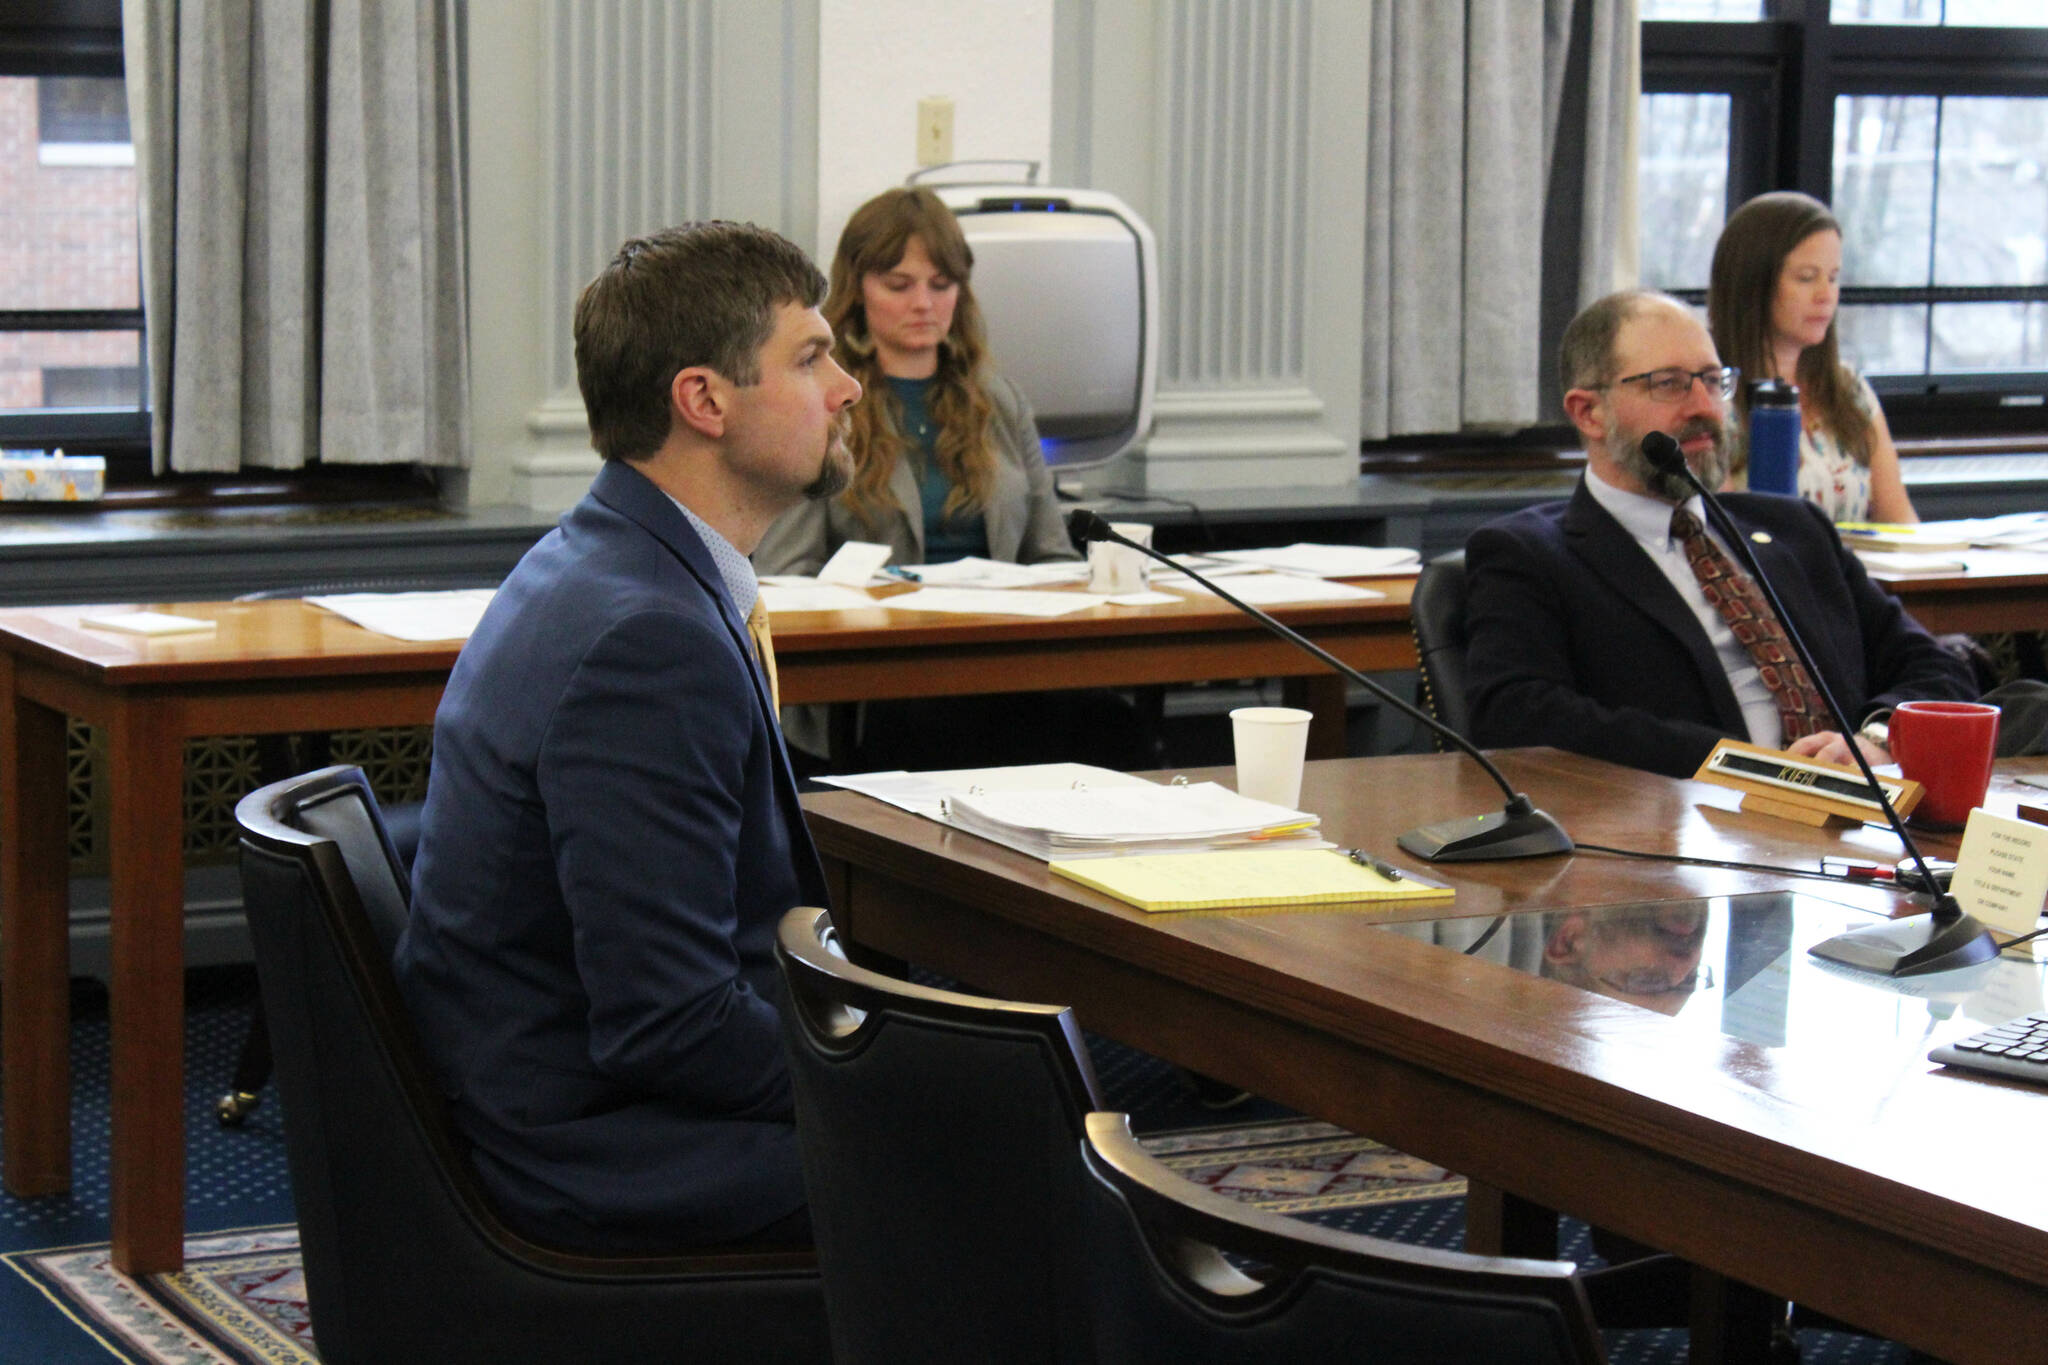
{"x": 945, "y": 538}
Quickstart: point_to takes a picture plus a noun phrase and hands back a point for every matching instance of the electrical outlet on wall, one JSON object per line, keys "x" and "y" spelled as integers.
{"x": 934, "y": 130}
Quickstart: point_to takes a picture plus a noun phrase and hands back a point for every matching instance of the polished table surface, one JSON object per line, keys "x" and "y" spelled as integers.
{"x": 1838, "y": 1168}
{"x": 2001, "y": 590}
{"x": 284, "y": 666}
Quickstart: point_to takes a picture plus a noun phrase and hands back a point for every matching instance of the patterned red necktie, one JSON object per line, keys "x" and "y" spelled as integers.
{"x": 1756, "y": 626}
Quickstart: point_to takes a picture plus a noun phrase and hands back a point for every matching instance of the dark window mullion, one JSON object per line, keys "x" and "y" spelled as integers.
{"x": 71, "y": 320}
{"x": 1956, "y": 49}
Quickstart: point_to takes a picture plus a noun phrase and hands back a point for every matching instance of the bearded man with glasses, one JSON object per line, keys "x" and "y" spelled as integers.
{"x": 1615, "y": 624}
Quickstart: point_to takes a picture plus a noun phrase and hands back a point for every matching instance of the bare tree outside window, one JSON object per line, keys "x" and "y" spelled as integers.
{"x": 1682, "y": 186}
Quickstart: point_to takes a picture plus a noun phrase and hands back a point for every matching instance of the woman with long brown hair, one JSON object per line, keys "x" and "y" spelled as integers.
{"x": 946, "y": 465}
{"x": 1771, "y": 305}
{"x": 946, "y": 457}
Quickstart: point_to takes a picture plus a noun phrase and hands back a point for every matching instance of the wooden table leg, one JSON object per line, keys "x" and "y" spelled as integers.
{"x": 35, "y": 915}
{"x": 145, "y": 769}
{"x": 1501, "y": 1224}
{"x": 1322, "y": 695}
{"x": 1731, "y": 1322}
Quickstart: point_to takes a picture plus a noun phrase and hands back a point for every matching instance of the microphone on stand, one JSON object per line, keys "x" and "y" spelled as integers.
{"x": 1518, "y": 831}
{"x": 1946, "y": 936}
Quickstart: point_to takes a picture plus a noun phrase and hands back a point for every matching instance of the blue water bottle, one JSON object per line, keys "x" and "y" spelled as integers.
{"x": 1773, "y": 437}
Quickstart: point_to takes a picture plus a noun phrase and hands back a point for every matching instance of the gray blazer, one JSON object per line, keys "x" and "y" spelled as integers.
{"x": 1022, "y": 516}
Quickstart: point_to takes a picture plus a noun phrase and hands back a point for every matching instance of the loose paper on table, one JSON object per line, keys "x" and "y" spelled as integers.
{"x": 147, "y": 623}
{"x": 993, "y": 601}
{"x": 1271, "y": 589}
{"x": 416, "y": 616}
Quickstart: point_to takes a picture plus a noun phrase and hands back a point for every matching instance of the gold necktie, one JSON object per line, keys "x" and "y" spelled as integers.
{"x": 764, "y": 648}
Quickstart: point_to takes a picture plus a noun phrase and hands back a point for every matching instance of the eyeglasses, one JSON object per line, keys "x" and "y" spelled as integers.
{"x": 1671, "y": 385}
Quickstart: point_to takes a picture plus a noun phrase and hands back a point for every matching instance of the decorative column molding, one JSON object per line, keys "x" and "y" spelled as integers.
{"x": 655, "y": 112}
{"x": 1256, "y": 189}
{"x": 628, "y": 127}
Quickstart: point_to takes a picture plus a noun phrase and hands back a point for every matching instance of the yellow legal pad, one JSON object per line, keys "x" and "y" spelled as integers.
{"x": 1234, "y": 879}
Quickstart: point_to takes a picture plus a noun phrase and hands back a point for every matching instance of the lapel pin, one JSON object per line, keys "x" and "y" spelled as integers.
{"x": 1760, "y": 537}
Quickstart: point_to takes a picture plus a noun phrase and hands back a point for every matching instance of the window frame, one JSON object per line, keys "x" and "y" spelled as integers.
{"x": 74, "y": 38}
{"x": 1784, "y": 72}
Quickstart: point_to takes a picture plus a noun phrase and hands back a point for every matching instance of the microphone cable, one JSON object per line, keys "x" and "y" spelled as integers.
{"x": 1648, "y": 856}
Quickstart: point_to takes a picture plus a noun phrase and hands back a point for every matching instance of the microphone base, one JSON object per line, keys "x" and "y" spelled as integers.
{"x": 1911, "y": 946}
{"x": 1489, "y": 838}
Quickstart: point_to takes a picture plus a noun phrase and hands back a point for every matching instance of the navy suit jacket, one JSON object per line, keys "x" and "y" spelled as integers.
{"x": 611, "y": 834}
{"x": 1579, "y": 641}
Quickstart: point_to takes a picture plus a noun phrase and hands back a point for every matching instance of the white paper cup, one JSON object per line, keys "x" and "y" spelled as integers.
{"x": 1271, "y": 742}
{"x": 1114, "y": 568}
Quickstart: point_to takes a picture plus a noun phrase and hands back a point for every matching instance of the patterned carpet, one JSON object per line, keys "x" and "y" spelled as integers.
{"x": 241, "y": 1301}
{"x": 241, "y": 1296}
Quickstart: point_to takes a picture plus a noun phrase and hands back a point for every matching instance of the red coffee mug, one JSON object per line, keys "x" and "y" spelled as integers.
{"x": 1947, "y": 747}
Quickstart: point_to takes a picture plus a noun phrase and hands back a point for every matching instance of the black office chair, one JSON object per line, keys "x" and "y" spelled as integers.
{"x": 278, "y": 757}
{"x": 1436, "y": 614}
{"x": 940, "y": 1137}
{"x": 405, "y": 1258}
{"x": 1167, "y": 1293}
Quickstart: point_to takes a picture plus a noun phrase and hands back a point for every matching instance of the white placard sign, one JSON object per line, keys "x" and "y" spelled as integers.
{"x": 854, "y": 563}
{"x": 2001, "y": 873}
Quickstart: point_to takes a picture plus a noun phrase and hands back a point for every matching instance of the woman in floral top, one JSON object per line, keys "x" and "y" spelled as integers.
{"x": 1771, "y": 306}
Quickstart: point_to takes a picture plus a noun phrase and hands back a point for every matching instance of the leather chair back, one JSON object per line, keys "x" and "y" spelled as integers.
{"x": 1167, "y": 1292}
{"x": 940, "y": 1138}
{"x": 404, "y": 1256}
{"x": 1437, "y": 613}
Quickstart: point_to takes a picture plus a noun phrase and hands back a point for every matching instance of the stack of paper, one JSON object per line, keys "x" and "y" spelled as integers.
{"x": 1894, "y": 562}
{"x": 1331, "y": 561}
{"x": 1931, "y": 538}
{"x": 1091, "y": 822}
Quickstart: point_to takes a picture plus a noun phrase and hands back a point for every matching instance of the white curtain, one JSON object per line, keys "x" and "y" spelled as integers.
{"x": 303, "y": 273}
{"x": 1499, "y": 175}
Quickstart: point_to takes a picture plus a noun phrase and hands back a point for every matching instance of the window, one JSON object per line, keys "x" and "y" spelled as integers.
{"x": 1923, "y": 123}
{"x": 71, "y": 356}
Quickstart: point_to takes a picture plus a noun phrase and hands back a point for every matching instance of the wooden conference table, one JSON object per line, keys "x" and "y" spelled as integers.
{"x": 2001, "y": 591}
{"x": 282, "y": 667}
{"x": 1836, "y": 1168}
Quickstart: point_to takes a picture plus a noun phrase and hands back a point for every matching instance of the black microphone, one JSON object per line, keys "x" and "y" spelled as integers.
{"x": 1946, "y": 936}
{"x": 1518, "y": 831}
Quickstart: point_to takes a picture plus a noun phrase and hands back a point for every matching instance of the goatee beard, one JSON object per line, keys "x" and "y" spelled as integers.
{"x": 834, "y": 473}
{"x": 1711, "y": 469}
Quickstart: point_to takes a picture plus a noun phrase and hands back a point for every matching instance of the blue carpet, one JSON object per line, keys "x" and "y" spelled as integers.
{"x": 234, "y": 1177}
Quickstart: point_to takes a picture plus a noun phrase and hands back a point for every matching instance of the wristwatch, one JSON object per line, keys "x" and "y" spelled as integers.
{"x": 1878, "y": 733}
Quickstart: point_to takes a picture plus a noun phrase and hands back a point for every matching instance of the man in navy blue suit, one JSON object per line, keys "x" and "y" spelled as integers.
{"x": 611, "y": 830}
{"x": 1589, "y": 627}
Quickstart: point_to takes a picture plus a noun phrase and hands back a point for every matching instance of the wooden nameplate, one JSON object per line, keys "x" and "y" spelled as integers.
{"x": 1805, "y": 790}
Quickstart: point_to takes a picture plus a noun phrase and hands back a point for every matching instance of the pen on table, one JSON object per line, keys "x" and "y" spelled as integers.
{"x": 1278, "y": 831}
{"x": 905, "y": 574}
{"x": 1379, "y": 865}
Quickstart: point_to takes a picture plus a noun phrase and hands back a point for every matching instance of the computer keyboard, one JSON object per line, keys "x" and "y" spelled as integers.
{"x": 2017, "y": 1048}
